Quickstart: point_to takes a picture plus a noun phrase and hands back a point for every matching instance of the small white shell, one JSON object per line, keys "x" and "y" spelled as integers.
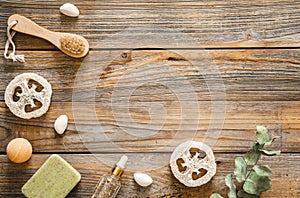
{"x": 60, "y": 124}
{"x": 142, "y": 179}
{"x": 69, "y": 10}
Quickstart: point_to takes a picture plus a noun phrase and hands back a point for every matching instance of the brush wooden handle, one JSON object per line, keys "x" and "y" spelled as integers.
{"x": 27, "y": 26}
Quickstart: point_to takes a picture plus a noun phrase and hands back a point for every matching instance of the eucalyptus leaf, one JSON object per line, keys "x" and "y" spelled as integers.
{"x": 242, "y": 194}
{"x": 232, "y": 188}
{"x": 262, "y": 135}
{"x": 215, "y": 195}
{"x": 271, "y": 141}
{"x": 254, "y": 146}
{"x": 262, "y": 170}
{"x": 271, "y": 152}
{"x": 240, "y": 169}
{"x": 252, "y": 156}
{"x": 256, "y": 184}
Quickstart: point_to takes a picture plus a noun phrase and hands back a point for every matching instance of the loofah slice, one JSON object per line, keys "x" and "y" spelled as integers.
{"x": 28, "y": 95}
{"x": 193, "y": 163}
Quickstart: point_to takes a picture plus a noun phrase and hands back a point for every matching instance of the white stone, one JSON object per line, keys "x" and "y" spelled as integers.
{"x": 60, "y": 124}
{"x": 69, "y": 10}
{"x": 142, "y": 179}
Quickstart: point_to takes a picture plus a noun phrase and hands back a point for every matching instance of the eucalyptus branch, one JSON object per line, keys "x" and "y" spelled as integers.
{"x": 253, "y": 178}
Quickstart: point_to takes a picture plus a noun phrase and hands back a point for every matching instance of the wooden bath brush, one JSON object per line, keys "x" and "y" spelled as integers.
{"x": 71, "y": 44}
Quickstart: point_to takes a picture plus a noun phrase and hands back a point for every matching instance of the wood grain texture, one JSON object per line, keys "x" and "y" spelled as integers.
{"x": 145, "y": 102}
{"x": 211, "y": 24}
{"x": 261, "y": 87}
{"x": 286, "y": 174}
{"x": 236, "y": 134}
{"x": 259, "y": 75}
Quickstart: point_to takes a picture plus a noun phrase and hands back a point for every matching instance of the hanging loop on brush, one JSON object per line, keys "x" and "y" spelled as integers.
{"x": 9, "y": 41}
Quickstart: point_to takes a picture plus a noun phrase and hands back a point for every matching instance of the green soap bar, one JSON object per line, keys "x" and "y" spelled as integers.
{"x": 55, "y": 178}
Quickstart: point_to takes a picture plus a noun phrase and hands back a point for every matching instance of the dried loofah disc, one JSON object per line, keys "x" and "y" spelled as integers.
{"x": 193, "y": 163}
{"x": 28, "y": 95}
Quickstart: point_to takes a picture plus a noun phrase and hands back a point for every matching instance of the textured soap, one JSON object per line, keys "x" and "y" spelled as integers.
{"x": 54, "y": 179}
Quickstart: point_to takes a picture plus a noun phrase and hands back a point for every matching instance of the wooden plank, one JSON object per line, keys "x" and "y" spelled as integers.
{"x": 260, "y": 75}
{"x": 290, "y": 131}
{"x": 286, "y": 174}
{"x": 135, "y": 23}
{"x": 266, "y": 86}
{"x": 144, "y": 131}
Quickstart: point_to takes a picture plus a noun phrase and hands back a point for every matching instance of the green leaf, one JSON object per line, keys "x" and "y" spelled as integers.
{"x": 271, "y": 141}
{"x": 232, "y": 188}
{"x": 271, "y": 152}
{"x": 263, "y": 170}
{"x": 262, "y": 135}
{"x": 215, "y": 195}
{"x": 242, "y": 194}
{"x": 240, "y": 169}
{"x": 253, "y": 146}
{"x": 256, "y": 184}
{"x": 252, "y": 156}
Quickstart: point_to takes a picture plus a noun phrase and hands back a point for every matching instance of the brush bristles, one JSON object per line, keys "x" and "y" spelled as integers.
{"x": 72, "y": 44}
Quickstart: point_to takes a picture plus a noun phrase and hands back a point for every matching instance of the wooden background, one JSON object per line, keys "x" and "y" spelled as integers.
{"x": 253, "y": 45}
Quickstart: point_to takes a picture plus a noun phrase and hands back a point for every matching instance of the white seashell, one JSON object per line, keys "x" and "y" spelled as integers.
{"x": 69, "y": 10}
{"x": 142, "y": 179}
{"x": 60, "y": 124}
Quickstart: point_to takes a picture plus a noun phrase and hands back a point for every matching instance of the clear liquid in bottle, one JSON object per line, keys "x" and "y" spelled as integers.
{"x": 109, "y": 185}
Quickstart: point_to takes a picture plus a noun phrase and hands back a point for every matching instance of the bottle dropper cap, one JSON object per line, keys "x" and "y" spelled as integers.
{"x": 122, "y": 161}
{"x": 118, "y": 169}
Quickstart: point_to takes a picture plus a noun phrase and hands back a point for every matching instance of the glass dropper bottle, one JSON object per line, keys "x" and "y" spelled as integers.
{"x": 109, "y": 185}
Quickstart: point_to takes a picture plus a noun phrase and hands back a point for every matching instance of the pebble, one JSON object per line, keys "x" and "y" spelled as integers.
{"x": 19, "y": 150}
{"x": 69, "y": 9}
{"x": 142, "y": 179}
{"x": 60, "y": 124}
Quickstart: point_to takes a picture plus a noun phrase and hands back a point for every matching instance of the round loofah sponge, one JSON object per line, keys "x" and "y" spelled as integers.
{"x": 23, "y": 93}
{"x": 193, "y": 163}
